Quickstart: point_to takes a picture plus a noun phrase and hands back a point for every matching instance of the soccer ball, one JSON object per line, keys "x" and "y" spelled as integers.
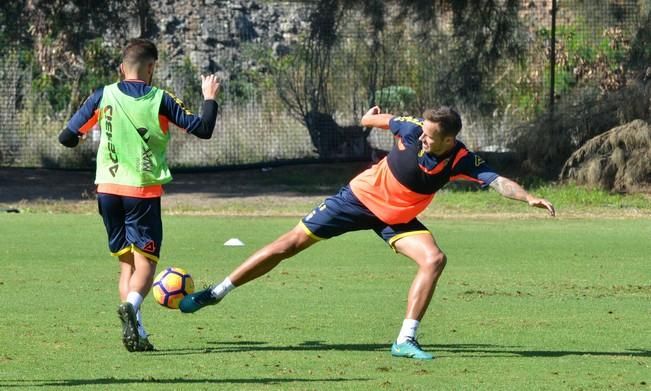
{"x": 171, "y": 285}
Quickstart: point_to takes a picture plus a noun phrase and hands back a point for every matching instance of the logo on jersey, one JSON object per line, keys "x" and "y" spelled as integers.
{"x": 144, "y": 133}
{"x": 147, "y": 155}
{"x": 179, "y": 102}
{"x": 410, "y": 119}
{"x": 150, "y": 246}
{"x": 320, "y": 208}
{"x": 112, "y": 151}
{"x": 147, "y": 160}
{"x": 478, "y": 161}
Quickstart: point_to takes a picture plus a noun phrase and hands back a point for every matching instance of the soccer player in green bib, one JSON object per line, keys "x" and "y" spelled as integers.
{"x": 133, "y": 117}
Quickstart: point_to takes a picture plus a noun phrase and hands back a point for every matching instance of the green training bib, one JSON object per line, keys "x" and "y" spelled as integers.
{"x": 133, "y": 147}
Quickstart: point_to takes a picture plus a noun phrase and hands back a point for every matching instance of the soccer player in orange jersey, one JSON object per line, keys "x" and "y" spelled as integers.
{"x": 387, "y": 199}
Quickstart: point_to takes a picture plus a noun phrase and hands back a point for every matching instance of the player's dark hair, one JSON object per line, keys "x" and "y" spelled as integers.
{"x": 447, "y": 118}
{"x": 139, "y": 52}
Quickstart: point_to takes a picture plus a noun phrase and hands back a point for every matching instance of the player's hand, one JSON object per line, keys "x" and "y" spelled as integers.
{"x": 374, "y": 118}
{"x": 82, "y": 138}
{"x": 210, "y": 87}
{"x": 543, "y": 204}
{"x": 373, "y": 110}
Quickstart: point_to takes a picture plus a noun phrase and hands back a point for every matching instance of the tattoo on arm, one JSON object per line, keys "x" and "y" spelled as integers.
{"x": 509, "y": 189}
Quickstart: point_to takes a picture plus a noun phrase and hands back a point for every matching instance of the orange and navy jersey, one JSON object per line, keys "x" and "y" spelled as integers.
{"x": 403, "y": 184}
{"x": 171, "y": 109}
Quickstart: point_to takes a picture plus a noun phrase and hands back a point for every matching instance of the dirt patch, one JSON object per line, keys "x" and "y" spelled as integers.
{"x": 63, "y": 190}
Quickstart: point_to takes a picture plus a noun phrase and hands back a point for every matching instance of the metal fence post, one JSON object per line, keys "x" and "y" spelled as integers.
{"x": 552, "y": 60}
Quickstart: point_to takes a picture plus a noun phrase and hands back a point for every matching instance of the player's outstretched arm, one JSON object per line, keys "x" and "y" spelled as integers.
{"x": 374, "y": 118}
{"x": 510, "y": 189}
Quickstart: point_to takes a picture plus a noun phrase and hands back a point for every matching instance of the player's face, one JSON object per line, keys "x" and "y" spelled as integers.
{"x": 433, "y": 141}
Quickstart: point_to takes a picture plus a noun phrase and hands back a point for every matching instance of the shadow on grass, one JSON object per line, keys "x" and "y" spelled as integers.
{"x": 150, "y": 380}
{"x": 465, "y": 350}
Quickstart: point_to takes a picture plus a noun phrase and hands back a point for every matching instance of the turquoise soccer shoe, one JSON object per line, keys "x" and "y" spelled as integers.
{"x": 196, "y": 301}
{"x": 410, "y": 349}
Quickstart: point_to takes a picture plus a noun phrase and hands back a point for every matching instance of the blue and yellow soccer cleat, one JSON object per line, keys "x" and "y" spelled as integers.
{"x": 196, "y": 301}
{"x": 130, "y": 336}
{"x": 410, "y": 349}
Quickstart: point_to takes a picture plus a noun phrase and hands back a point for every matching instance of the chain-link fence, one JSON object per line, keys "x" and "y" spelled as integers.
{"x": 288, "y": 96}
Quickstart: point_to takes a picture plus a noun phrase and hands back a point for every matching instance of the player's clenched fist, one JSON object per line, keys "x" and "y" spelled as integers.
{"x": 210, "y": 86}
{"x": 374, "y": 110}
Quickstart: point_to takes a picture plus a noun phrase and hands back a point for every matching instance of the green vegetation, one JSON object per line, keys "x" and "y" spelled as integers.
{"x": 248, "y": 84}
{"x": 57, "y": 94}
{"x": 585, "y": 55}
{"x": 480, "y": 56}
{"x": 395, "y": 98}
{"x": 188, "y": 77}
{"x": 523, "y": 304}
{"x": 100, "y": 67}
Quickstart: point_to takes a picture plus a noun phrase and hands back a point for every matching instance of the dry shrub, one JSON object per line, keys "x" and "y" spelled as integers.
{"x": 617, "y": 160}
{"x": 546, "y": 143}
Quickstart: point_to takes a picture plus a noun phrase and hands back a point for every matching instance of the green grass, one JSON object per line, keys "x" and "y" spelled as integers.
{"x": 569, "y": 200}
{"x": 524, "y": 304}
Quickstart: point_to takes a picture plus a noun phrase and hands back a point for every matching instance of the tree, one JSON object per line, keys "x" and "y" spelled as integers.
{"x": 451, "y": 63}
{"x": 71, "y": 49}
{"x": 303, "y": 82}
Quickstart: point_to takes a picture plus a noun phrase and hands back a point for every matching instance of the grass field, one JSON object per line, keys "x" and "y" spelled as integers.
{"x": 524, "y": 304}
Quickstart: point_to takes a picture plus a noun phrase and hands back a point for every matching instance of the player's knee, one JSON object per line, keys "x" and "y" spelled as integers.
{"x": 436, "y": 262}
{"x": 299, "y": 242}
{"x": 289, "y": 245}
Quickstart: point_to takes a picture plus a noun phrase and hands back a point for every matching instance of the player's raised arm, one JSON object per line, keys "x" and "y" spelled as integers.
{"x": 210, "y": 90}
{"x": 210, "y": 87}
{"x": 374, "y": 118}
{"x": 511, "y": 189}
{"x": 201, "y": 126}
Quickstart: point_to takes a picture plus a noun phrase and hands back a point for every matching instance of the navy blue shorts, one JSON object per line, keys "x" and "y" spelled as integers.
{"x": 132, "y": 224}
{"x": 344, "y": 213}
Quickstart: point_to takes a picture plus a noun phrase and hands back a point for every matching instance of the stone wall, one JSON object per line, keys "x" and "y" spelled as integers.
{"x": 210, "y": 33}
